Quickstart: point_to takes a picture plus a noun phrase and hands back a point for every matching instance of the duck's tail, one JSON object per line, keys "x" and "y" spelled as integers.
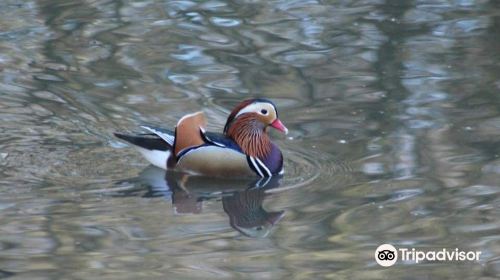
{"x": 155, "y": 149}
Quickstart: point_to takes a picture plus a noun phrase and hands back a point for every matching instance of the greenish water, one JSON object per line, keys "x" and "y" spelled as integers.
{"x": 393, "y": 111}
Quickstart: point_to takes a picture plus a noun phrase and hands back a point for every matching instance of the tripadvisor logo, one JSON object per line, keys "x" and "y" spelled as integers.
{"x": 387, "y": 255}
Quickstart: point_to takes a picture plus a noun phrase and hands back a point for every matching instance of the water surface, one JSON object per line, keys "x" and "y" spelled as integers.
{"x": 393, "y": 111}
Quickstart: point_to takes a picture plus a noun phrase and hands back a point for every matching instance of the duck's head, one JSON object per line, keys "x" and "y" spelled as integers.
{"x": 254, "y": 114}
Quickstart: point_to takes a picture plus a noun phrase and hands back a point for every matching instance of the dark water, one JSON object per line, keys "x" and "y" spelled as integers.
{"x": 393, "y": 108}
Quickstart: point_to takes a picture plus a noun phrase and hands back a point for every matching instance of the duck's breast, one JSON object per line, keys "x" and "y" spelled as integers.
{"x": 274, "y": 161}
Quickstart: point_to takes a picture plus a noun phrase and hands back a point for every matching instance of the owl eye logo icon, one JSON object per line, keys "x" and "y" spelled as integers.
{"x": 386, "y": 255}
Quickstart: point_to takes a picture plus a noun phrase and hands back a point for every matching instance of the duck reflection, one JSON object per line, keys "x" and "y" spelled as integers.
{"x": 241, "y": 199}
{"x": 247, "y": 215}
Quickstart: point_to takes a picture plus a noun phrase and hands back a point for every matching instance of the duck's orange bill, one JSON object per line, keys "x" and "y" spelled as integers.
{"x": 279, "y": 126}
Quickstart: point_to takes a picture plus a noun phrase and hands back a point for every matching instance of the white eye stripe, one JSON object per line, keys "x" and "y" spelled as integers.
{"x": 256, "y": 107}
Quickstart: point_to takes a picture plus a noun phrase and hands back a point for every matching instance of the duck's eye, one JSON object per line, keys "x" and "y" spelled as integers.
{"x": 263, "y": 111}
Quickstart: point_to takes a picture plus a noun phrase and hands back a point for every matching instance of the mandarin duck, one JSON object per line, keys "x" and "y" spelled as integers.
{"x": 243, "y": 149}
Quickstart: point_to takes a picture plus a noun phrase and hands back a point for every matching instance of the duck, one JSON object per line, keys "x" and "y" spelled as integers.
{"x": 243, "y": 149}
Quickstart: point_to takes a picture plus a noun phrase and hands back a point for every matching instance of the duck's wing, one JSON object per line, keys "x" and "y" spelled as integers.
{"x": 165, "y": 134}
{"x": 219, "y": 139}
{"x": 189, "y": 132}
{"x": 147, "y": 141}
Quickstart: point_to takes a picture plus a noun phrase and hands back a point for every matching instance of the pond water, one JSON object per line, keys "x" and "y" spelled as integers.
{"x": 393, "y": 111}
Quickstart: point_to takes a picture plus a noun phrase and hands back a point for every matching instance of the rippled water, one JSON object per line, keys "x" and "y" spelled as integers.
{"x": 393, "y": 109}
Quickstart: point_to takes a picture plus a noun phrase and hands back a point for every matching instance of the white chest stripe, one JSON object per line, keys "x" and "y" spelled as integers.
{"x": 260, "y": 167}
{"x": 264, "y": 167}
{"x": 256, "y": 167}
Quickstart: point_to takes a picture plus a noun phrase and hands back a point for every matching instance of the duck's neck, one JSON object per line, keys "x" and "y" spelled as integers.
{"x": 249, "y": 134}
